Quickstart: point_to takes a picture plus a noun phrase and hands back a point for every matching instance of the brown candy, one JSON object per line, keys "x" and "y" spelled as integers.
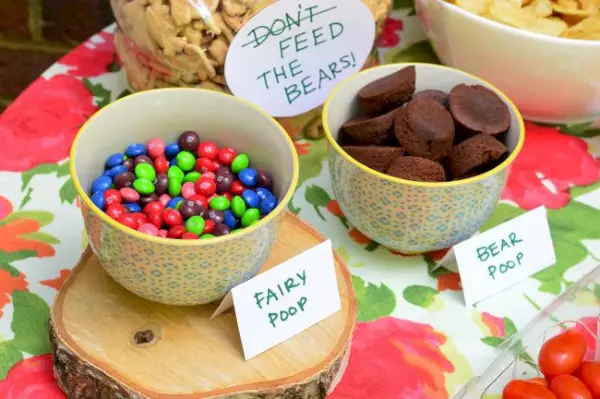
{"x": 129, "y": 164}
{"x": 264, "y": 179}
{"x": 146, "y": 199}
{"x": 124, "y": 179}
{"x": 221, "y": 229}
{"x": 417, "y": 169}
{"x": 161, "y": 183}
{"x": 479, "y": 110}
{"x": 389, "y": 92}
{"x": 476, "y": 155}
{"x": 377, "y": 158}
{"x": 142, "y": 159}
{"x": 188, "y": 141}
{"x": 190, "y": 208}
{"x": 215, "y": 216}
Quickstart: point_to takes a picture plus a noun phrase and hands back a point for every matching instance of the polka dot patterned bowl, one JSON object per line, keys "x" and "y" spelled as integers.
{"x": 408, "y": 216}
{"x": 182, "y": 272}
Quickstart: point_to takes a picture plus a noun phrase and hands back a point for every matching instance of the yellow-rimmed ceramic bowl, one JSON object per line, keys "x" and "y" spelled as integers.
{"x": 182, "y": 272}
{"x": 407, "y": 216}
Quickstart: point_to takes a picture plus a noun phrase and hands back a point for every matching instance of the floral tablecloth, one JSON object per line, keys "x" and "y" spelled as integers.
{"x": 416, "y": 338}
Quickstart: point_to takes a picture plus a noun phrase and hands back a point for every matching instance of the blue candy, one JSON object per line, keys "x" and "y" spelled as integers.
{"x": 106, "y": 173}
{"x": 98, "y": 199}
{"x": 248, "y": 176}
{"x": 133, "y": 207}
{"x": 267, "y": 205}
{"x": 171, "y": 150}
{"x": 230, "y": 220}
{"x": 174, "y": 201}
{"x": 114, "y": 160}
{"x": 135, "y": 150}
{"x": 263, "y": 193}
{"x": 250, "y": 198}
{"x": 101, "y": 184}
{"x": 173, "y": 162}
{"x": 115, "y": 170}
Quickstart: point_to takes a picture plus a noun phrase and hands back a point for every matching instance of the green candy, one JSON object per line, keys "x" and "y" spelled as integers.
{"x": 240, "y": 162}
{"x": 175, "y": 173}
{"x": 178, "y": 204}
{"x": 238, "y": 206}
{"x": 143, "y": 186}
{"x": 174, "y": 187}
{"x": 192, "y": 177}
{"x": 250, "y": 216}
{"x": 186, "y": 161}
{"x": 220, "y": 203}
{"x": 205, "y": 236}
{"x": 145, "y": 171}
{"x": 195, "y": 225}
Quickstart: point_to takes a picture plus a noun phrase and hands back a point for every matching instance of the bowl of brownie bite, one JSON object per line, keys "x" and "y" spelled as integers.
{"x": 419, "y": 153}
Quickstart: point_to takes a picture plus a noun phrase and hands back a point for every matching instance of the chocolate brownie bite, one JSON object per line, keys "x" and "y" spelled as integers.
{"x": 425, "y": 129}
{"x": 475, "y": 156}
{"x": 370, "y": 131}
{"x": 374, "y": 157}
{"x": 417, "y": 169}
{"x": 435, "y": 95}
{"x": 389, "y": 92}
{"x": 479, "y": 110}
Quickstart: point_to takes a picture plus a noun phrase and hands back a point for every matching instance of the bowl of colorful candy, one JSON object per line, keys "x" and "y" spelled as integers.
{"x": 555, "y": 356}
{"x": 419, "y": 153}
{"x": 182, "y": 191}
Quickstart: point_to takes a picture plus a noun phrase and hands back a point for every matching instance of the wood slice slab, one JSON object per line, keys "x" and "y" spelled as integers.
{"x": 111, "y": 344}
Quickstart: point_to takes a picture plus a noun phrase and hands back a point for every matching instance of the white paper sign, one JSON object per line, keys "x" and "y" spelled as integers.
{"x": 286, "y": 300}
{"x": 289, "y": 56}
{"x": 500, "y": 257}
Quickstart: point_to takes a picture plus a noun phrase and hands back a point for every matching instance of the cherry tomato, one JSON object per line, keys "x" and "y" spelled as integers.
{"x": 566, "y": 386}
{"x": 562, "y": 354}
{"x": 589, "y": 373}
{"x": 519, "y": 389}
{"x": 539, "y": 380}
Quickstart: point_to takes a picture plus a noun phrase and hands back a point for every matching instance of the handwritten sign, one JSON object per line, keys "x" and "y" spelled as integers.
{"x": 500, "y": 257}
{"x": 286, "y": 300}
{"x": 288, "y": 57}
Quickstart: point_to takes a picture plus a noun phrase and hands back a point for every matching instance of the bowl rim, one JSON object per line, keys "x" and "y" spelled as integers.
{"x": 533, "y": 35}
{"x": 444, "y": 69}
{"x": 177, "y": 242}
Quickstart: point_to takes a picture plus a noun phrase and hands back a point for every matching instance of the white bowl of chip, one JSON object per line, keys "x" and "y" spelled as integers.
{"x": 551, "y": 79}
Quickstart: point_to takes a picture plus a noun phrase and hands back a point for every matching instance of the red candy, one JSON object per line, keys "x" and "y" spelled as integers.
{"x": 228, "y": 196}
{"x": 115, "y": 211}
{"x": 188, "y": 236}
{"x": 154, "y": 206}
{"x": 237, "y": 188}
{"x": 200, "y": 200}
{"x": 128, "y": 220}
{"x": 208, "y": 149}
{"x": 161, "y": 165}
{"x": 156, "y": 218}
{"x": 156, "y": 148}
{"x": 176, "y": 231}
{"x": 112, "y": 196}
{"x": 209, "y": 226}
{"x": 172, "y": 217}
{"x": 209, "y": 175}
{"x": 226, "y": 155}
{"x": 139, "y": 218}
{"x": 206, "y": 187}
{"x": 204, "y": 165}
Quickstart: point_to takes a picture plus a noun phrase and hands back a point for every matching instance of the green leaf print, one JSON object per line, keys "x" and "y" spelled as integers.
{"x": 576, "y": 129}
{"x": 63, "y": 170}
{"x": 30, "y": 323}
{"x": 509, "y": 328}
{"x": 502, "y": 213}
{"x": 597, "y": 291}
{"x": 317, "y": 197}
{"x": 41, "y": 236}
{"x": 7, "y": 257}
{"x": 114, "y": 66}
{"x": 9, "y": 356}
{"x": 67, "y": 192}
{"x": 398, "y": 4}
{"x": 420, "y": 295}
{"x": 13, "y": 271}
{"x": 311, "y": 163}
{"x": 494, "y": 342}
{"x": 124, "y": 93}
{"x": 440, "y": 271}
{"x": 576, "y": 191}
{"x": 417, "y": 52}
{"x": 43, "y": 169}
{"x": 99, "y": 91}
{"x": 42, "y": 217}
{"x": 373, "y": 301}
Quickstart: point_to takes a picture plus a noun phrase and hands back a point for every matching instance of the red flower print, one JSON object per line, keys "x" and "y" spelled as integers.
{"x": 31, "y": 378}
{"x": 358, "y": 237}
{"x": 91, "y": 58}
{"x": 57, "y": 282}
{"x": 390, "y": 36}
{"x": 450, "y": 281}
{"x": 41, "y": 124}
{"x": 334, "y": 208}
{"x": 591, "y": 332}
{"x": 494, "y": 324}
{"x": 302, "y": 148}
{"x": 9, "y": 284}
{"x": 438, "y": 255}
{"x": 395, "y": 359}
{"x": 549, "y": 164}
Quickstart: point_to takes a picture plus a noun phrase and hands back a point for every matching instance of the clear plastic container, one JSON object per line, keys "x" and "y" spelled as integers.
{"x": 518, "y": 355}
